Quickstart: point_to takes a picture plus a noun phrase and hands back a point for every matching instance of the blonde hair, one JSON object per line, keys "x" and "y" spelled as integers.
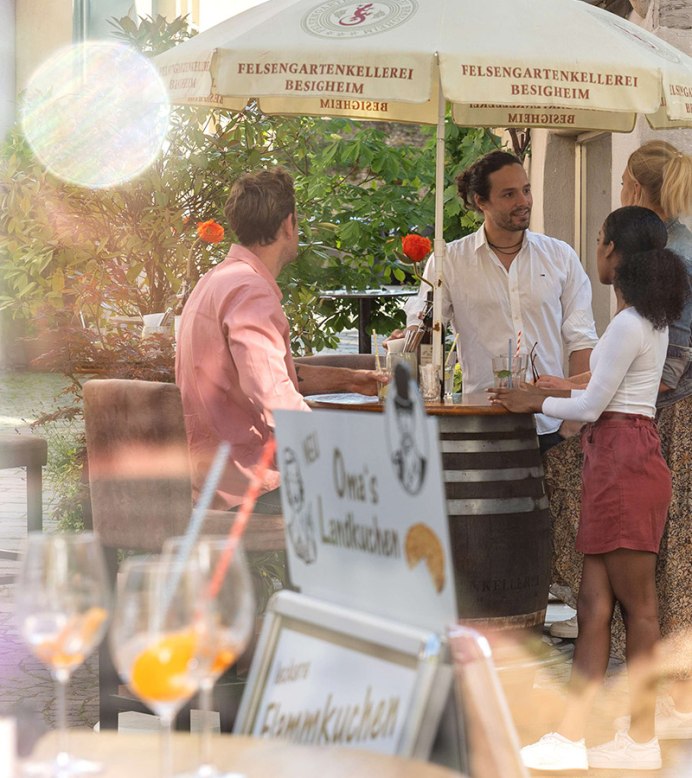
{"x": 666, "y": 175}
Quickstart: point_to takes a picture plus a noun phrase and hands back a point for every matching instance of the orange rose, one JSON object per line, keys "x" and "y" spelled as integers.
{"x": 210, "y": 231}
{"x": 416, "y": 247}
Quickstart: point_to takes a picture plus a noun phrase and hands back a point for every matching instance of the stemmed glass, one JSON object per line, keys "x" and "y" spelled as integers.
{"x": 61, "y": 606}
{"x": 154, "y": 638}
{"x": 227, "y": 615}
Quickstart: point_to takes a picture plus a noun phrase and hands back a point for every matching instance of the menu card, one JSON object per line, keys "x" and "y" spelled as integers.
{"x": 365, "y": 511}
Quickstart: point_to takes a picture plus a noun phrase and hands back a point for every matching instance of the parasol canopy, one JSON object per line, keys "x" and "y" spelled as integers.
{"x": 554, "y": 64}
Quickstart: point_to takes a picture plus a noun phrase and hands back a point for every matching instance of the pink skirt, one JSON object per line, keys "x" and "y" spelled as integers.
{"x": 626, "y": 485}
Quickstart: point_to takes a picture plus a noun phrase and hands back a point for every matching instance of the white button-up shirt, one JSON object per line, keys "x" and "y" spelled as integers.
{"x": 545, "y": 295}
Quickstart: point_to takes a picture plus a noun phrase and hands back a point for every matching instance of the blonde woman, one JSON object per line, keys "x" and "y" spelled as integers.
{"x": 659, "y": 176}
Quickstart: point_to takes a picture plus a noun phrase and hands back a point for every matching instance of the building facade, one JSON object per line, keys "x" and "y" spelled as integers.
{"x": 577, "y": 178}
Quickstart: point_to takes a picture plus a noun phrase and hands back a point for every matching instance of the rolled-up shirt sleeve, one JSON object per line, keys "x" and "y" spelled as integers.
{"x": 578, "y": 328}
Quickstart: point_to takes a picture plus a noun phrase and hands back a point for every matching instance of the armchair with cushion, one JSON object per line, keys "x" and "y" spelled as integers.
{"x": 141, "y": 494}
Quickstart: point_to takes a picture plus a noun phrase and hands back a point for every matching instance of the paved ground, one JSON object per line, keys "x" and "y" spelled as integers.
{"x": 27, "y": 690}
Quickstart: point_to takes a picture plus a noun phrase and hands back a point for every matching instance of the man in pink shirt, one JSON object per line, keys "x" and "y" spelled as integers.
{"x": 233, "y": 361}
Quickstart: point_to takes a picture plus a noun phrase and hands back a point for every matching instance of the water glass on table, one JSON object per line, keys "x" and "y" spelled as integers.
{"x": 509, "y": 372}
{"x": 407, "y": 358}
{"x": 383, "y": 385}
{"x": 429, "y": 383}
{"x": 449, "y": 371}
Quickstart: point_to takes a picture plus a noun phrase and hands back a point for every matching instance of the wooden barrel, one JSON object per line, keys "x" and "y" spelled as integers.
{"x": 499, "y": 522}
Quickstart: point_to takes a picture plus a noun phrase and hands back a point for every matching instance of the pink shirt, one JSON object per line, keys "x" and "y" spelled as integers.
{"x": 233, "y": 366}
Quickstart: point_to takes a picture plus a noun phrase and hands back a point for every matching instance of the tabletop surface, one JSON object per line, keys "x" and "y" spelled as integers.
{"x": 477, "y": 403}
{"x": 383, "y": 291}
{"x": 125, "y": 755}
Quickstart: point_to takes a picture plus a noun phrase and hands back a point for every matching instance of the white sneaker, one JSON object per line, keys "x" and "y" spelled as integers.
{"x": 623, "y": 753}
{"x": 671, "y": 724}
{"x": 555, "y": 752}
{"x": 565, "y": 629}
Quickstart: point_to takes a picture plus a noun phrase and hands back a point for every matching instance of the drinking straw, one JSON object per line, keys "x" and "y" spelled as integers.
{"x": 516, "y": 353}
{"x": 242, "y": 517}
{"x": 378, "y": 366}
{"x": 509, "y": 362}
{"x": 451, "y": 349}
{"x": 197, "y": 519}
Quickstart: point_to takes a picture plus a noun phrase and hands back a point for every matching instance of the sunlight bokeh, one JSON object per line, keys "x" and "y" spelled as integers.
{"x": 96, "y": 114}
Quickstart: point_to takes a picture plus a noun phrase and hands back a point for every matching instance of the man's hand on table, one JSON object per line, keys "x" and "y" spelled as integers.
{"x": 366, "y": 381}
{"x": 325, "y": 379}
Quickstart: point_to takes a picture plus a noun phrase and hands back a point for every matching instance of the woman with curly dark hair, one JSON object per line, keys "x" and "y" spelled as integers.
{"x": 626, "y": 487}
{"x": 657, "y": 176}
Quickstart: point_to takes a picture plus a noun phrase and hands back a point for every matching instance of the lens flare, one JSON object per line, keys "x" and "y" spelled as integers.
{"x": 96, "y": 114}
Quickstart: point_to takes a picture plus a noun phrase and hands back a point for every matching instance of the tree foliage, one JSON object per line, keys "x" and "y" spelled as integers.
{"x": 123, "y": 250}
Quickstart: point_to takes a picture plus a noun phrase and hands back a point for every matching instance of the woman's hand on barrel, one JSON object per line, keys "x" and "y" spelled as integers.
{"x": 527, "y": 399}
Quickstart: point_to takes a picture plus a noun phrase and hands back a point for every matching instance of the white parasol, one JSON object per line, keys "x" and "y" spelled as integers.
{"x": 555, "y": 64}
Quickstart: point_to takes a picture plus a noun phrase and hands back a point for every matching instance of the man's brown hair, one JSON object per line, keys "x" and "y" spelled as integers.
{"x": 257, "y": 205}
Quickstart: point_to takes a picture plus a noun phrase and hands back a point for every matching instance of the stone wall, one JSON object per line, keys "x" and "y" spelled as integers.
{"x": 591, "y": 165}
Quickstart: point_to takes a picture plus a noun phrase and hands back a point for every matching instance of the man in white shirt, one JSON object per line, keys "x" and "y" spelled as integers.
{"x": 504, "y": 280}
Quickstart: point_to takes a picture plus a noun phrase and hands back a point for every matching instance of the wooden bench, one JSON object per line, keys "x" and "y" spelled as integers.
{"x": 31, "y": 452}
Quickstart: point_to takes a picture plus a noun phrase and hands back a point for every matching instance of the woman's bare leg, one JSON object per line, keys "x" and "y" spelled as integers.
{"x": 632, "y": 578}
{"x": 595, "y": 606}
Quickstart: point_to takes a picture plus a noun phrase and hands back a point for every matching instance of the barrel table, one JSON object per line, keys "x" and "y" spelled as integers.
{"x": 499, "y": 524}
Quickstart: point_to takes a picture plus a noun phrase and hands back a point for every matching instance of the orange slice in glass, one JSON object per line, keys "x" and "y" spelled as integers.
{"x": 160, "y": 672}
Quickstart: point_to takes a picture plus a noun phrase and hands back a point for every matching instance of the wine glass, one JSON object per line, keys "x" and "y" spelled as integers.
{"x": 61, "y": 606}
{"x": 154, "y": 637}
{"x": 228, "y": 613}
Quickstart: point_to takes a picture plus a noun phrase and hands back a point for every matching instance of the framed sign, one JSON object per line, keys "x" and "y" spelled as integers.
{"x": 327, "y": 675}
{"x": 489, "y": 731}
{"x": 366, "y": 517}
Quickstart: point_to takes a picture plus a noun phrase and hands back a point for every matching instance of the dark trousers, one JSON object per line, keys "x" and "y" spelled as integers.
{"x": 547, "y": 441}
{"x": 269, "y": 503}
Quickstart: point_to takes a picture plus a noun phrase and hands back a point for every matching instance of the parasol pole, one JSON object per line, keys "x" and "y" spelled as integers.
{"x": 439, "y": 245}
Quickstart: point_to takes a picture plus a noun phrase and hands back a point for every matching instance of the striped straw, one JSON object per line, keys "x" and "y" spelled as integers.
{"x": 242, "y": 517}
{"x": 516, "y": 353}
{"x": 378, "y": 366}
{"x": 194, "y": 526}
